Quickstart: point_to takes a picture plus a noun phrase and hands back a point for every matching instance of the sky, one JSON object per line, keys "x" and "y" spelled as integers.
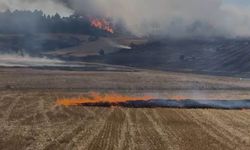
{"x": 238, "y": 2}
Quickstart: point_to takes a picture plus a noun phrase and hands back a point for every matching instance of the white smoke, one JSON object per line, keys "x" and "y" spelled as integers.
{"x": 50, "y": 7}
{"x": 237, "y": 19}
{"x": 175, "y": 18}
{"x": 116, "y": 45}
{"x": 10, "y": 60}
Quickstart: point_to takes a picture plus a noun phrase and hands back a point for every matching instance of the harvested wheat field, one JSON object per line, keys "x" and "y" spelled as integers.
{"x": 31, "y": 119}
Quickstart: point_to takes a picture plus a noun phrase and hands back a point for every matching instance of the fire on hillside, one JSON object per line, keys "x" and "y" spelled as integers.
{"x": 102, "y": 24}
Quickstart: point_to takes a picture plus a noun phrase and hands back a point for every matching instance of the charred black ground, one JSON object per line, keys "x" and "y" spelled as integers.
{"x": 196, "y": 104}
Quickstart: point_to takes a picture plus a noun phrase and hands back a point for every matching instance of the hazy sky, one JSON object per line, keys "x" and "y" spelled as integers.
{"x": 51, "y": 7}
{"x": 238, "y": 2}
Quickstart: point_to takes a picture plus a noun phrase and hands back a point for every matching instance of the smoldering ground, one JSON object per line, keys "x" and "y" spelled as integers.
{"x": 192, "y": 104}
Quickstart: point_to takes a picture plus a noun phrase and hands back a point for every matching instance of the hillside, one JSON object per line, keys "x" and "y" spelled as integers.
{"x": 219, "y": 56}
{"x": 214, "y": 56}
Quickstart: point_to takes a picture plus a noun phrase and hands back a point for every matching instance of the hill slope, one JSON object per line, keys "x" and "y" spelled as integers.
{"x": 218, "y": 56}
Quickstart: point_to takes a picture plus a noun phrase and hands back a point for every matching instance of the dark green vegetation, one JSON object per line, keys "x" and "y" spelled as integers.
{"x": 27, "y": 22}
{"x": 36, "y": 44}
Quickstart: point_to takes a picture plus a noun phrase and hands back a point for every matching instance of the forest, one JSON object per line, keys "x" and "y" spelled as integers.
{"x": 25, "y": 22}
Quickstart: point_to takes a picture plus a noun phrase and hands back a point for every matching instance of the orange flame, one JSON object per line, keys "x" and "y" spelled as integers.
{"x": 101, "y": 24}
{"x": 178, "y": 97}
{"x": 99, "y": 98}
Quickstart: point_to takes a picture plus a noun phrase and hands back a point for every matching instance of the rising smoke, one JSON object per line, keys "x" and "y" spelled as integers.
{"x": 13, "y": 60}
{"x": 48, "y": 6}
{"x": 117, "y": 45}
{"x": 175, "y": 18}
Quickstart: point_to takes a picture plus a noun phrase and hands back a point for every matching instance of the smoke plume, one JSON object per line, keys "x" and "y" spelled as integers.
{"x": 11, "y": 60}
{"x": 174, "y": 18}
{"x": 50, "y": 7}
{"x": 116, "y": 45}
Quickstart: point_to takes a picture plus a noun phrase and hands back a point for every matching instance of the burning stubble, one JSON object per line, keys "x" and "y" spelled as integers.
{"x": 115, "y": 99}
{"x": 95, "y": 97}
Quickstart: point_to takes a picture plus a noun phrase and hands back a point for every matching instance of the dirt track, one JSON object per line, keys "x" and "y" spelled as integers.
{"x": 31, "y": 120}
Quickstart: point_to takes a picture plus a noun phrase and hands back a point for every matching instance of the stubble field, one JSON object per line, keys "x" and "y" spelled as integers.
{"x": 30, "y": 118}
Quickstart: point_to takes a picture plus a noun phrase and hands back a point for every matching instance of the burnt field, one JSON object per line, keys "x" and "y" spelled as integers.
{"x": 31, "y": 119}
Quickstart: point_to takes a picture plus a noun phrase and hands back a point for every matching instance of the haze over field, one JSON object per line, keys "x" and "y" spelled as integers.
{"x": 174, "y": 18}
{"x": 9, "y": 60}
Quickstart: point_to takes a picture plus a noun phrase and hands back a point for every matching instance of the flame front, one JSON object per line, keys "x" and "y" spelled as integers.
{"x": 178, "y": 97}
{"x": 102, "y": 24}
{"x": 100, "y": 98}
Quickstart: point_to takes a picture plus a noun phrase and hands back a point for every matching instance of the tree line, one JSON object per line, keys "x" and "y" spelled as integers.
{"x": 21, "y": 21}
